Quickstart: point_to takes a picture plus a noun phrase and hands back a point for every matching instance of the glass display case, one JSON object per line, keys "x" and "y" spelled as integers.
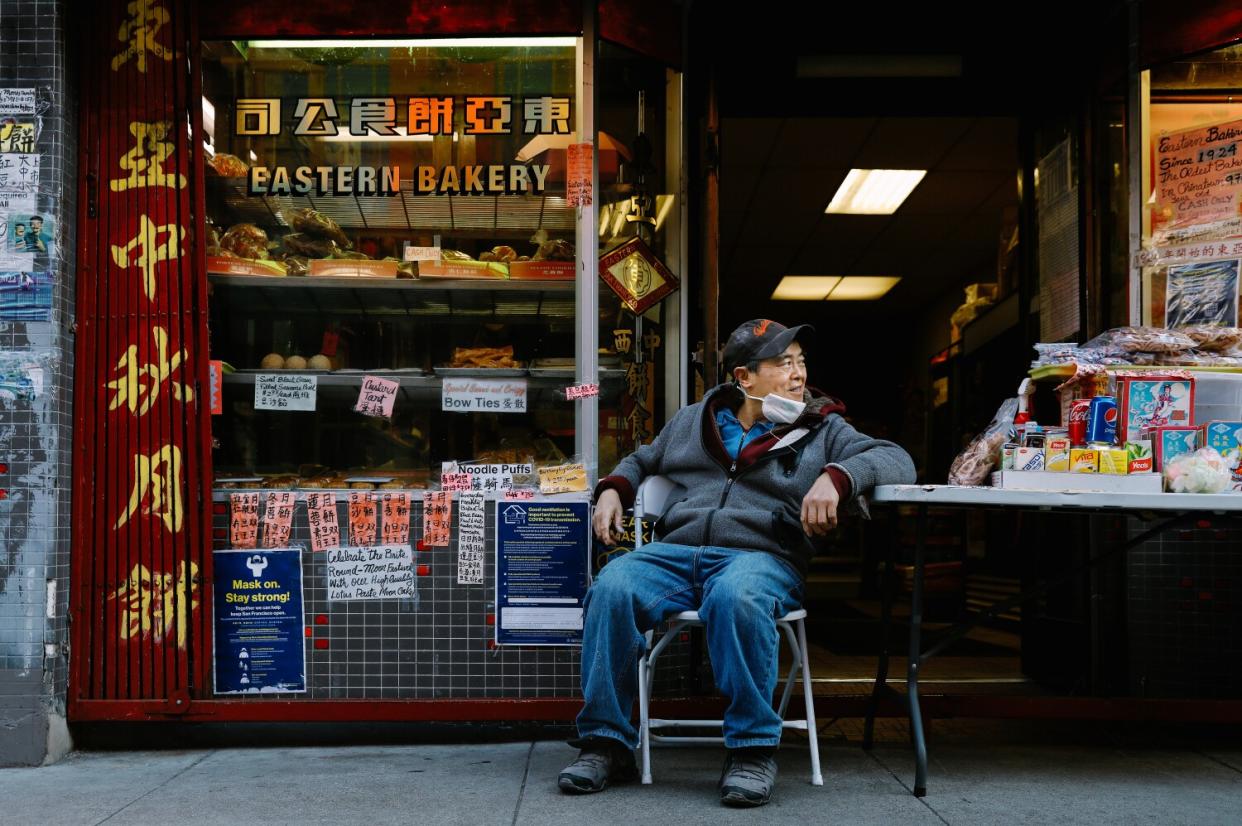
{"x": 394, "y": 212}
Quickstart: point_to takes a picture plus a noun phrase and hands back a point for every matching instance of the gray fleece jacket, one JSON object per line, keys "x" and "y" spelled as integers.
{"x": 755, "y": 501}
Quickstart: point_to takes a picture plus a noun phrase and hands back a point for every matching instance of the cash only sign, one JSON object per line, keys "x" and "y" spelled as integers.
{"x": 394, "y": 118}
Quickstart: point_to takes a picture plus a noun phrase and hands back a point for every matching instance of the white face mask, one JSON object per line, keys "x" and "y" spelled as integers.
{"x": 778, "y": 409}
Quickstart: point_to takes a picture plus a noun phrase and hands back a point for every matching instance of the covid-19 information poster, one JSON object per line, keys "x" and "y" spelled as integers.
{"x": 259, "y": 641}
{"x": 542, "y": 559}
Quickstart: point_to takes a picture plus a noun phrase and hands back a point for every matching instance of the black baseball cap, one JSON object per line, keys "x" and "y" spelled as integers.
{"x": 762, "y": 338}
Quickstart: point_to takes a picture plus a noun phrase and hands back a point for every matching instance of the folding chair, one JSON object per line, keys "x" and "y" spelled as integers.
{"x": 650, "y": 502}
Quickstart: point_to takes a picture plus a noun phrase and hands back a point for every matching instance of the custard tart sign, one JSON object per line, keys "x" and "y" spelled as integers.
{"x": 636, "y": 275}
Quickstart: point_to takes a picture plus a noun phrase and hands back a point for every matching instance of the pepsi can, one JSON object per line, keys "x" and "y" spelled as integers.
{"x": 1102, "y": 421}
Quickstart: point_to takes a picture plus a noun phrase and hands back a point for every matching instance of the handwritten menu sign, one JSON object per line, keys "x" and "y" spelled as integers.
{"x": 380, "y": 572}
{"x": 437, "y": 518}
{"x": 1198, "y": 177}
{"x": 282, "y": 391}
{"x": 581, "y": 391}
{"x": 19, "y": 174}
{"x": 578, "y": 174}
{"x": 396, "y": 521}
{"x": 562, "y": 479}
{"x": 471, "y": 509}
{"x": 278, "y": 519}
{"x": 325, "y": 530}
{"x": 377, "y": 397}
{"x": 362, "y": 519}
{"x": 17, "y": 101}
{"x": 483, "y": 395}
{"x": 455, "y": 481}
{"x": 519, "y": 495}
{"x": 244, "y": 521}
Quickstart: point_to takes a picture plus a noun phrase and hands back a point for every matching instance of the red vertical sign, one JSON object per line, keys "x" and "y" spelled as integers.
{"x": 142, "y": 414}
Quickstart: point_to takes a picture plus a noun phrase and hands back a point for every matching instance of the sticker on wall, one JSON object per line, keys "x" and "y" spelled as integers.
{"x": 30, "y": 233}
{"x": 16, "y": 135}
{"x": 22, "y": 374}
{"x": 25, "y": 296}
{"x": 17, "y": 101}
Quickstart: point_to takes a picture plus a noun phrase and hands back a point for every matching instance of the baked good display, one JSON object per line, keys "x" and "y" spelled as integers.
{"x": 314, "y": 223}
{"x": 228, "y": 166}
{"x": 484, "y": 358}
{"x": 245, "y": 241}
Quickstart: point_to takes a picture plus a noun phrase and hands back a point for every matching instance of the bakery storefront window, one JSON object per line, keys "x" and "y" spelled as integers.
{"x": 391, "y": 260}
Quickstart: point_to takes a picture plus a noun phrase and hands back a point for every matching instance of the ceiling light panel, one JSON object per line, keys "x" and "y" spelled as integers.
{"x": 874, "y": 191}
{"x": 805, "y": 287}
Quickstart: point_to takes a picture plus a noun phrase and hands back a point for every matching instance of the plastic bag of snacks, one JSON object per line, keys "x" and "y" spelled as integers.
{"x": 1204, "y": 471}
{"x": 972, "y": 465}
{"x": 1214, "y": 339}
{"x": 1142, "y": 340}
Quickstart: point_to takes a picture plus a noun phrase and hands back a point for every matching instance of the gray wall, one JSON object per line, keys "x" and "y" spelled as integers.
{"x": 35, "y": 436}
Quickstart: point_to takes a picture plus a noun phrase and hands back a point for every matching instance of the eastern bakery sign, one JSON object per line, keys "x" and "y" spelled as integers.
{"x": 378, "y": 118}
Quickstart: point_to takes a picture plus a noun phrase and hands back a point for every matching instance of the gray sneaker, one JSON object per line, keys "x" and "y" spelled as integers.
{"x": 748, "y": 777}
{"x": 599, "y": 763}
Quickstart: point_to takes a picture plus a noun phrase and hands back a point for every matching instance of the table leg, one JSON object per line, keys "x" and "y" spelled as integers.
{"x": 886, "y": 621}
{"x": 916, "y": 655}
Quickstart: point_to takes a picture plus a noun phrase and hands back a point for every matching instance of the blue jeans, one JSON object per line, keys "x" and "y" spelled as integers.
{"x": 739, "y": 595}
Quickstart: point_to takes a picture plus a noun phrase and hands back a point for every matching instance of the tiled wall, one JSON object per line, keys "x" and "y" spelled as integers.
{"x": 35, "y": 436}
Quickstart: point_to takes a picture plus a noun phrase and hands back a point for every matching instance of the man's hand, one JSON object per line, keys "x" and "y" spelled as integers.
{"x": 819, "y": 507}
{"x": 608, "y": 513}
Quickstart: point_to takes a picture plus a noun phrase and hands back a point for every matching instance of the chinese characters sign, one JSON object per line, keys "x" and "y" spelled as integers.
{"x": 390, "y": 117}
{"x": 437, "y": 518}
{"x": 325, "y": 531}
{"x": 363, "y": 523}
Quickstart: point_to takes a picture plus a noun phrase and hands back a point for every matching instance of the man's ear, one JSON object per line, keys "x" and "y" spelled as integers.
{"x": 741, "y": 376}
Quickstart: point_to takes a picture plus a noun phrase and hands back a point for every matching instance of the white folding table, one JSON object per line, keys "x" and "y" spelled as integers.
{"x": 1166, "y": 510}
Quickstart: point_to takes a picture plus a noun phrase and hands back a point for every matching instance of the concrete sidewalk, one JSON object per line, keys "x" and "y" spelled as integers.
{"x": 515, "y": 783}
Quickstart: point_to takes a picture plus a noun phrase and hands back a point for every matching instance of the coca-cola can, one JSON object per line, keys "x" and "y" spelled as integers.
{"x": 1079, "y": 414}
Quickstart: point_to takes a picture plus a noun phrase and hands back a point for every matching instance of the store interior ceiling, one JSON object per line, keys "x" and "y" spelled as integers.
{"x": 778, "y": 175}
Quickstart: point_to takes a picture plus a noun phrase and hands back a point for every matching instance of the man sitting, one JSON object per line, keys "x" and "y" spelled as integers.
{"x": 765, "y": 464}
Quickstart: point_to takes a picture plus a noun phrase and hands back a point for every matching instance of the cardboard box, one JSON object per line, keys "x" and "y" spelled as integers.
{"x": 1139, "y": 456}
{"x": 1151, "y": 401}
{"x": 1169, "y": 442}
{"x": 1225, "y": 437}
{"x": 1060, "y": 482}
{"x": 1028, "y": 458}
{"x": 1114, "y": 461}
{"x": 1056, "y": 454}
{"x": 1084, "y": 461}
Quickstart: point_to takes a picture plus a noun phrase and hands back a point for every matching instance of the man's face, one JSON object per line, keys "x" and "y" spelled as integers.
{"x": 35, "y": 225}
{"x": 784, "y": 375}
